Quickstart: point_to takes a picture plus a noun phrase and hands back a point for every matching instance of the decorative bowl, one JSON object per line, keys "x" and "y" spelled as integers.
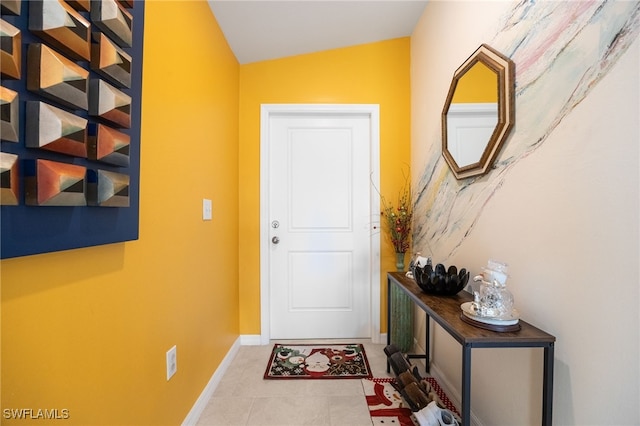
{"x": 440, "y": 280}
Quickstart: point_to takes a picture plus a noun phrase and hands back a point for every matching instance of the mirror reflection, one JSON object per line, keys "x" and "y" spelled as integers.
{"x": 478, "y": 113}
{"x": 473, "y": 114}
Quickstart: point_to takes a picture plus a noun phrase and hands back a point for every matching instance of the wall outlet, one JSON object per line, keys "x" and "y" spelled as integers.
{"x": 207, "y": 209}
{"x": 172, "y": 362}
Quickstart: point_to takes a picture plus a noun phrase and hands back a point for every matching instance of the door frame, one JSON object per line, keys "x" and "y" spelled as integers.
{"x": 266, "y": 112}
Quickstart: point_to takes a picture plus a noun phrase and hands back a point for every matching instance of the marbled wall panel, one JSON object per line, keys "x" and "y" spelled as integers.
{"x": 559, "y": 48}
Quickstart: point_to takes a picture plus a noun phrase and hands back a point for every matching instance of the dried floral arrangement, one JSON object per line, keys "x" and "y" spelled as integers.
{"x": 398, "y": 217}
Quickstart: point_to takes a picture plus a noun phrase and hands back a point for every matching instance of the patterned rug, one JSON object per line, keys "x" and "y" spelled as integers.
{"x": 387, "y": 407}
{"x": 317, "y": 361}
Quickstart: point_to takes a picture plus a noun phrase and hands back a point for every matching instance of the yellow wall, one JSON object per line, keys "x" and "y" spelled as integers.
{"x": 376, "y": 73}
{"x": 478, "y": 84}
{"x": 87, "y": 330}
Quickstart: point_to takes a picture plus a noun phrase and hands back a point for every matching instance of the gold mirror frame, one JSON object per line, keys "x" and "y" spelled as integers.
{"x": 505, "y": 71}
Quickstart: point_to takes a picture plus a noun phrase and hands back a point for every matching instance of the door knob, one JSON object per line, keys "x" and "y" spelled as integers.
{"x": 275, "y": 240}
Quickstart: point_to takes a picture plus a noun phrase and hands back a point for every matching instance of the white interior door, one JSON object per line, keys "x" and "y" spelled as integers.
{"x": 319, "y": 225}
{"x": 469, "y": 128}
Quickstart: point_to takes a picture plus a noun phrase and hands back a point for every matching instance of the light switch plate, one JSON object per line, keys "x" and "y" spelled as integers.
{"x": 207, "y": 209}
{"x": 172, "y": 362}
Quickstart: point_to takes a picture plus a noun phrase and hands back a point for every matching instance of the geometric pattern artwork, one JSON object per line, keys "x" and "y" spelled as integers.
{"x": 108, "y": 145}
{"x": 9, "y": 115}
{"x": 8, "y": 179}
{"x": 81, "y": 5}
{"x": 109, "y": 103}
{"x": 113, "y": 20}
{"x": 55, "y": 77}
{"x": 10, "y": 7}
{"x": 56, "y": 130}
{"x": 62, "y": 27}
{"x": 50, "y": 183}
{"x": 110, "y": 61}
{"x": 10, "y": 50}
{"x": 107, "y": 189}
{"x": 50, "y": 53}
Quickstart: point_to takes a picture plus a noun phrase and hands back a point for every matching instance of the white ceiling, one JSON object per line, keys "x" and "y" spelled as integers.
{"x": 259, "y": 30}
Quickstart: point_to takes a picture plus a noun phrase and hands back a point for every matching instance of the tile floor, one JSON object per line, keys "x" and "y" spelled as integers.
{"x": 243, "y": 397}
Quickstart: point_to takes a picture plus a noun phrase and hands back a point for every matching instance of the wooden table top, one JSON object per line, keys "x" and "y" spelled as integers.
{"x": 446, "y": 311}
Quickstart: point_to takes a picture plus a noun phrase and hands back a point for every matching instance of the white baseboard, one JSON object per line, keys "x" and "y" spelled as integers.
{"x": 250, "y": 340}
{"x": 256, "y": 339}
{"x": 205, "y": 396}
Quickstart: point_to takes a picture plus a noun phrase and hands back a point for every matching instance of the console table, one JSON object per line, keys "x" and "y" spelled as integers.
{"x": 445, "y": 310}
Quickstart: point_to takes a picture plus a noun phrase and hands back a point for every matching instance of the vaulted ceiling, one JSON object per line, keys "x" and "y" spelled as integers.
{"x": 265, "y": 29}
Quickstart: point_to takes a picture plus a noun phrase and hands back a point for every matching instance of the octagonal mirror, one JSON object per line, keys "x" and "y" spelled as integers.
{"x": 478, "y": 113}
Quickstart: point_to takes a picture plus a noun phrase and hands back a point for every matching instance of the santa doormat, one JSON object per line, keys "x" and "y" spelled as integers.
{"x": 318, "y": 361}
{"x": 386, "y": 405}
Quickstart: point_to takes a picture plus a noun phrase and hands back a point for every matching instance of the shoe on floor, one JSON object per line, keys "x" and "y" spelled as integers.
{"x": 391, "y": 349}
{"x": 426, "y": 417}
{"x": 416, "y": 397}
{"x": 432, "y": 415}
{"x": 446, "y": 418}
{"x": 406, "y": 378}
{"x": 398, "y": 363}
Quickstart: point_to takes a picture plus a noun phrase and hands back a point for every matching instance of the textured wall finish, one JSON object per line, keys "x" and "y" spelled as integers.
{"x": 559, "y": 48}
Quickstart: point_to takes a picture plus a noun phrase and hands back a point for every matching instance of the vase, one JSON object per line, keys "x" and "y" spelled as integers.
{"x": 400, "y": 262}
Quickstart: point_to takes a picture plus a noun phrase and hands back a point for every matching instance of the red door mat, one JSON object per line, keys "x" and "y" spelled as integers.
{"x": 318, "y": 361}
{"x": 386, "y": 405}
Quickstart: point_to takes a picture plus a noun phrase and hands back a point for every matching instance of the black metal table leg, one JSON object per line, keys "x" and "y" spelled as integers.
{"x": 388, "y": 319}
{"x": 466, "y": 385}
{"x": 547, "y": 386}
{"x": 427, "y": 346}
